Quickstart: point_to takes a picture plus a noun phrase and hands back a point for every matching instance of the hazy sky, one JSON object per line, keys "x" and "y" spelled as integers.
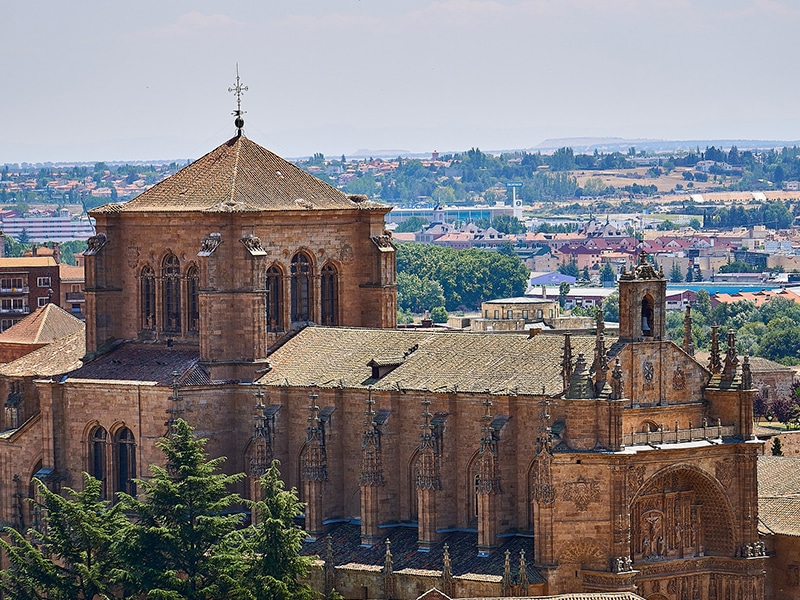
{"x": 149, "y": 79}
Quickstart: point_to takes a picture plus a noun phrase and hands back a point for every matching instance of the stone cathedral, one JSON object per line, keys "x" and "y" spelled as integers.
{"x": 259, "y": 304}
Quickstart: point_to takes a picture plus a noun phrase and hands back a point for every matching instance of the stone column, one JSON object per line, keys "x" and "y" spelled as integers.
{"x": 371, "y": 477}
{"x": 428, "y": 483}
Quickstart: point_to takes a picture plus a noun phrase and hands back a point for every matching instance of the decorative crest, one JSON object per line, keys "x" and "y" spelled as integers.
{"x": 239, "y": 90}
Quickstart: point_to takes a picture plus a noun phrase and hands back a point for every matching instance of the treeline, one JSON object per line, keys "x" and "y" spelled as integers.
{"x": 183, "y": 536}
{"x": 771, "y": 331}
{"x": 429, "y": 276}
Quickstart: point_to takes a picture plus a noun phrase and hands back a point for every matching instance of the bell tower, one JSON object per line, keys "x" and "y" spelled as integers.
{"x": 642, "y": 303}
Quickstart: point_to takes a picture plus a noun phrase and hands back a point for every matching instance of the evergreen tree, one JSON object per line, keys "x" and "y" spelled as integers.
{"x": 675, "y": 275}
{"x": 275, "y": 542}
{"x": 184, "y": 541}
{"x": 776, "y": 447}
{"x": 74, "y": 556}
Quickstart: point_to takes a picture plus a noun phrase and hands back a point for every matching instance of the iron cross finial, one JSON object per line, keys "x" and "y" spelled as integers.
{"x": 239, "y": 90}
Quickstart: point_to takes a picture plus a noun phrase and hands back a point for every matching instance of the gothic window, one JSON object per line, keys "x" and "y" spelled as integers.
{"x": 125, "y": 461}
{"x": 148, "y": 298}
{"x": 97, "y": 454}
{"x": 193, "y": 288}
{"x": 301, "y": 287}
{"x": 330, "y": 292}
{"x": 171, "y": 274}
{"x": 274, "y": 286}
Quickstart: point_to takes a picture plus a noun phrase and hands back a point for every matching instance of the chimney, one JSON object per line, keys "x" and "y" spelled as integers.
{"x": 34, "y": 250}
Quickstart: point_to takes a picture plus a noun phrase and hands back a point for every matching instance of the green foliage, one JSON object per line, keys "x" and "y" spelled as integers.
{"x": 275, "y": 543}
{"x": 607, "y": 273}
{"x": 417, "y": 294}
{"x": 184, "y": 542}
{"x": 80, "y": 535}
{"x": 412, "y": 224}
{"x": 466, "y": 277}
{"x": 738, "y": 266}
{"x": 439, "y": 314}
{"x": 70, "y": 249}
{"x": 13, "y": 248}
{"x": 666, "y": 225}
{"x": 563, "y": 290}
{"x": 508, "y": 224}
{"x": 404, "y": 317}
{"x": 675, "y": 274}
{"x": 570, "y": 268}
{"x": 611, "y": 308}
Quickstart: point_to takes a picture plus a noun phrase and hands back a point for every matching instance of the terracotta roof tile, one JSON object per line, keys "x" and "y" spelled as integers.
{"x": 71, "y": 272}
{"x": 469, "y": 362}
{"x": 241, "y": 176}
{"x": 779, "y": 494}
{"x": 62, "y": 356}
{"x": 44, "y": 325}
{"x": 152, "y": 363}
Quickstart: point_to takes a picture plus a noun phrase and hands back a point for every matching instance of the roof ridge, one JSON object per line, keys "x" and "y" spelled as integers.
{"x": 237, "y": 155}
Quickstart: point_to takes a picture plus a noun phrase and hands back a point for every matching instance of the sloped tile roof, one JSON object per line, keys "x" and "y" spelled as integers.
{"x": 44, "y": 325}
{"x": 764, "y": 365}
{"x": 26, "y": 262}
{"x": 441, "y": 361}
{"x": 241, "y": 176}
{"x": 462, "y": 547}
{"x": 62, "y": 356}
{"x": 153, "y": 363}
{"x": 779, "y": 495}
{"x": 71, "y": 272}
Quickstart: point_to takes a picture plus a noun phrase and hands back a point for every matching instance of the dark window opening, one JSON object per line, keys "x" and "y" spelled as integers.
{"x": 301, "y": 288}
{"x": 171, "y": 272}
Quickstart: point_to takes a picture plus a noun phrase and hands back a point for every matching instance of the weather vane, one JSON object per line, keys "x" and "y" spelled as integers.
{"x": 238, "y": 89}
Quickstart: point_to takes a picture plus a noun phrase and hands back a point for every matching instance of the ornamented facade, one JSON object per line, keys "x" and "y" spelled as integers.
{"x": 259, "y": 304}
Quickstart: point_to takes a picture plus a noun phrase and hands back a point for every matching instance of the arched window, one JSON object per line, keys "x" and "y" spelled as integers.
{"x": 647, "y": 315}
{"x": 274, "y": 285}
{"x": 330, "y": 293}
{"x": 193, "y": 298}
{"x": 125, "y": 460}
{"x": 301, "y": 287}
{"x": 171, "y": 274}
{"x": 148, "y": 298}
{"x": 97, "y": 454}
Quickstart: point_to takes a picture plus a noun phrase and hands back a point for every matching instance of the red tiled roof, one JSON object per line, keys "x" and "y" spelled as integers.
{"x": 45, "y": 325}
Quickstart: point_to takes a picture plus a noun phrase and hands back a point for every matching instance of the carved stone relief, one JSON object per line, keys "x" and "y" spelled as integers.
{"x": 582, "y": 492}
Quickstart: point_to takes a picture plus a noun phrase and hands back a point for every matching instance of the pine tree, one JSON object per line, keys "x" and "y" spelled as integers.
{"x": 776, "y": 447}
{"x": 74, "y": 555}
{"x": 185, "y": 540}
{"x": 275, "y": 541}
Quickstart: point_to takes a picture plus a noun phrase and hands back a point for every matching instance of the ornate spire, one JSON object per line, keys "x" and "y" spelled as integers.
{"x": 688, "y": 343}
{"x": 261, "y": 446}
{"x": 176, "y": 408}
{"x": 448, "y": 585}
{"x": 371, "y": 457}
{"x": 747, "y": 374}
{"x": 489, "y": 470}
{"x": 544, "y": 492}
{"x": 522, "y": 578}
{"x": 731, "y": 360}
{"x": 616, "y": 380}
{"x": 330, "y": 567}
{"x": 239, "y": 90}
{"x": 600, "y": 364}
{"x": 315, "y": 460}
{"x": 714, "y": 362}
{"x": 580, "y": 384}
{"x": 508, "y": 583}
{"x": 389, "y": 591}
{"x": 566, "y": 361}
{"x": 427, "y": 461}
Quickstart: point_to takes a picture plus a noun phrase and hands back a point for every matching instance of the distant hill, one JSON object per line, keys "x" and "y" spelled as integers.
{"x": 615, "y": 144}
